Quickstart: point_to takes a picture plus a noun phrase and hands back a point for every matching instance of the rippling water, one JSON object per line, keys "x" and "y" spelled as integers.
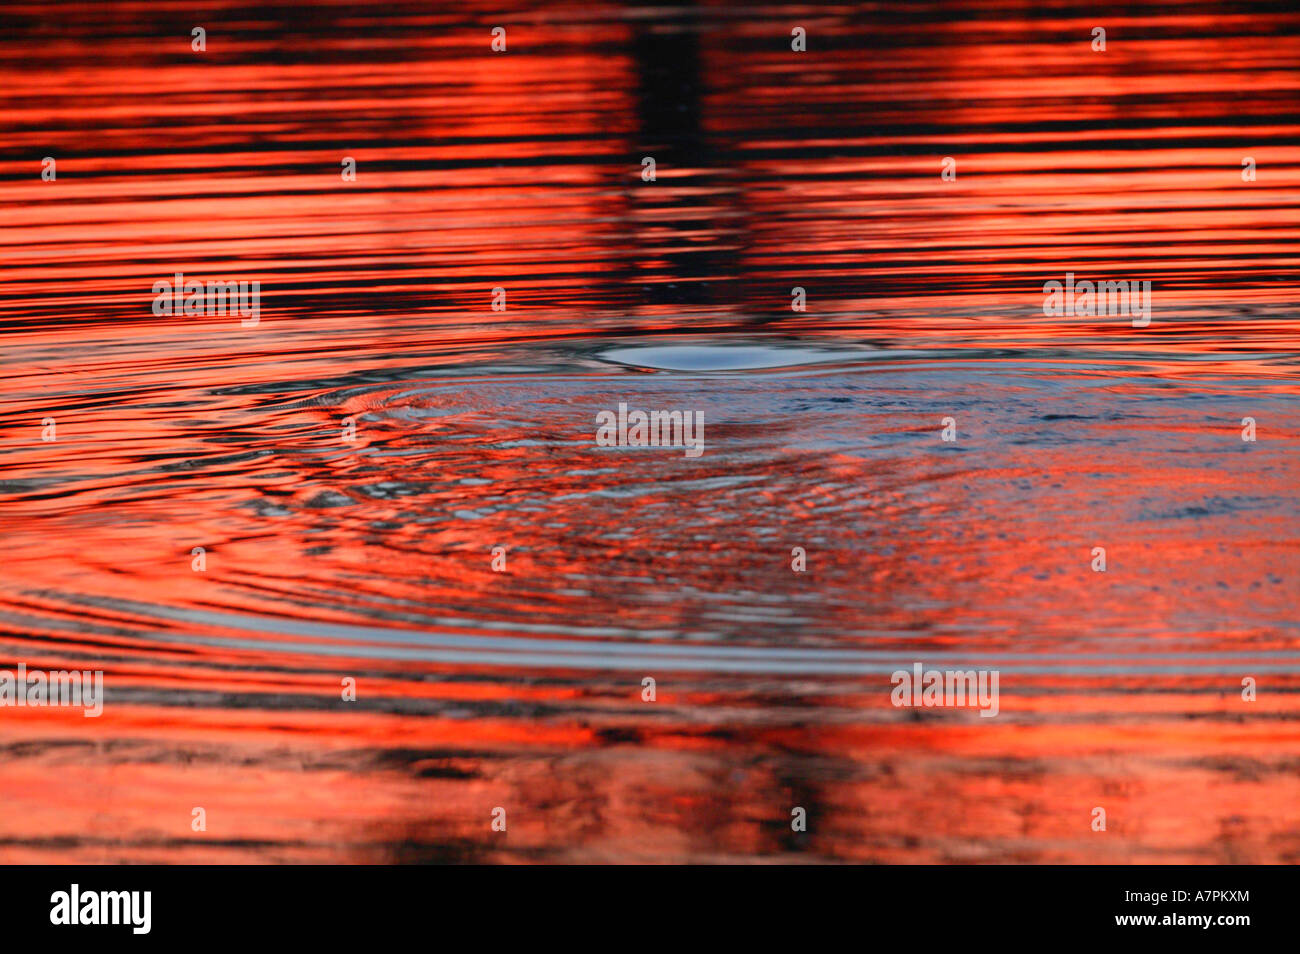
{"x": 327, "y": 559}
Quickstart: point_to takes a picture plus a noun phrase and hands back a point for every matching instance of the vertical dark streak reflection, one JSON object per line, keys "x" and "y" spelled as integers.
{"x": 670, "y": 88}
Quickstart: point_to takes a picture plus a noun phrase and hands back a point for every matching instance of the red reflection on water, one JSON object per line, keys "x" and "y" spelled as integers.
{"x": 524, "y": 171}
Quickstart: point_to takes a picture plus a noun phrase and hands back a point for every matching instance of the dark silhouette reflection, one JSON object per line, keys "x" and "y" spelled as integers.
{"x": 675, "y": 217}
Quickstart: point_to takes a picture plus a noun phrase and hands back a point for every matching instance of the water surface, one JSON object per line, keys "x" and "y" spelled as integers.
{"x": 371, "y": 559}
